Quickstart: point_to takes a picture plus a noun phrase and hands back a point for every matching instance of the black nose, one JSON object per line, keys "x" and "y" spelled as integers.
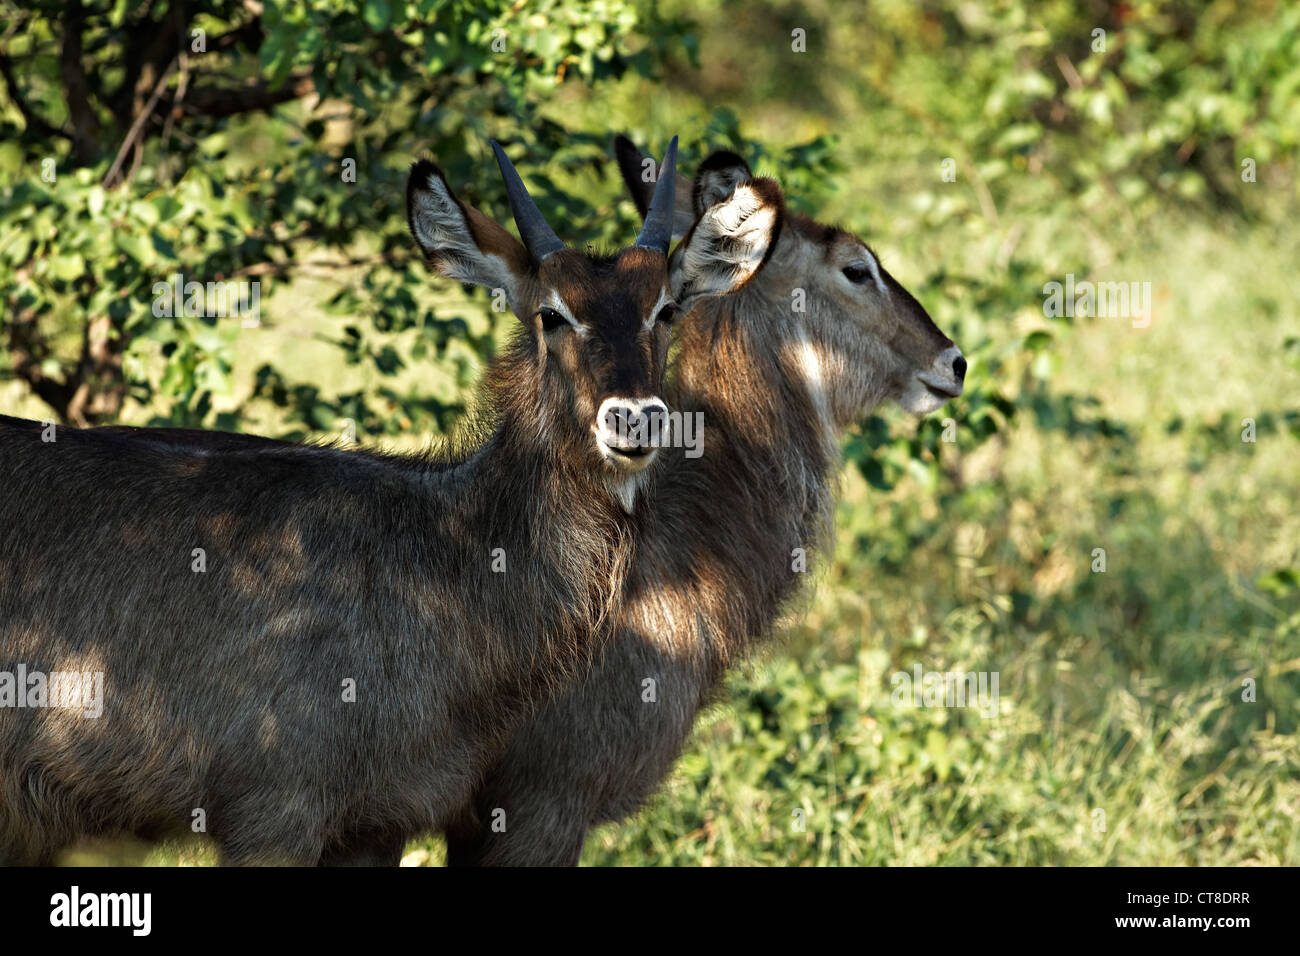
{"x": 959, "y": 367}
{"x": 636, "y": 426}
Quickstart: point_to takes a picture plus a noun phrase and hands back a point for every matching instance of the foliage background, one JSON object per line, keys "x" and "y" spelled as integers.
{"x": 1121, "y": 691}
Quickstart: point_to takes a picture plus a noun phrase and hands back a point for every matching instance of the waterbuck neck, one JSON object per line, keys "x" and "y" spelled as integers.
{"x": 762, "y": 494}
{"x": 535, "y": 489}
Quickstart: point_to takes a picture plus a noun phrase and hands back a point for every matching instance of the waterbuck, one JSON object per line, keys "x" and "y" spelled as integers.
{"x": 310, "y": 653}
{"x": 777, "y": 387}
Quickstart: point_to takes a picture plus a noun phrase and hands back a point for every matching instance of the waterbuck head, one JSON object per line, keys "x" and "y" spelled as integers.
{"x": 860, "y": 337}
{"x": 596, "y": 335}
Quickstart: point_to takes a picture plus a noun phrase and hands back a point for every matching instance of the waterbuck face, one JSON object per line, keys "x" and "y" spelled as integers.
{"x": 875, "y": 340}
{"x": 597, "y": 325}
{"x": 604, "y": 325}
{"x": 828, "y": 306}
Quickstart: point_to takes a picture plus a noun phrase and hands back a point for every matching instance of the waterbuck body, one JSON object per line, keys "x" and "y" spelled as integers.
{"x": 310, "y": 653}
{"x": 777, "y": 386}
{"x": 301, "y": 643}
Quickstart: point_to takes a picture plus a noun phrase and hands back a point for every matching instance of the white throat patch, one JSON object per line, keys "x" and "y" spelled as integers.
{"x": 625, "y": 489}
{"x": 810, "y": 364}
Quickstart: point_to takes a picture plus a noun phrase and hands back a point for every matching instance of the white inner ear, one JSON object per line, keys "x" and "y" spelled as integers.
{"x": 721, "y": 184}
{"x": 746, "y": 222}
{"x": 440, "y": 227}
{"x": 553, "y": 301}
{"x": 442, "y": 232}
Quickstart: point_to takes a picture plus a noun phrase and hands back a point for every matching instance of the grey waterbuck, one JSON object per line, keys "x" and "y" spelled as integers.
{"x": 306, "y": 652}
{"x": 777, "y": 387}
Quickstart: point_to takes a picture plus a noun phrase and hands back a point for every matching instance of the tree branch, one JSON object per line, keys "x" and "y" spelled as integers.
{"x": 217, "y": 103}
{"x": 151, "y": 45}
{"x": 111, "y": 178}
{"x": 85, "y": 125}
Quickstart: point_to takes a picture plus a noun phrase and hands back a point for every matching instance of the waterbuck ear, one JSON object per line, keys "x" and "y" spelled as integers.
{"x": 638, "y": 171}
{"x": 461, "y": 243}
{"x": 729, "y": 243}
{"x": 716, "y": 179}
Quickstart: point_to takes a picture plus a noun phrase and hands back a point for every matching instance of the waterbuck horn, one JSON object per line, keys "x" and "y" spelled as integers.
{"x": 657, "y": 232}
{"x": 538, "y": 237}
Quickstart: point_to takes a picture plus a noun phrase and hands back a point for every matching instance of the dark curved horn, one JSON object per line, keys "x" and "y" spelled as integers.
{"x": 538, "y": 237}
{"x": 657, "y": 232}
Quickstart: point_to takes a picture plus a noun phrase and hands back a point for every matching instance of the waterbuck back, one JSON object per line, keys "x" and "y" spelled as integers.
{"x": 776, "y": 386}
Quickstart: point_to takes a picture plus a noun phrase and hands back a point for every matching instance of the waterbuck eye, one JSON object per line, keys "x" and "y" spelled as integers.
{"x": 551, "y": 319}
{"x": 666, "y": 314}
{"x": 857, "y": 274}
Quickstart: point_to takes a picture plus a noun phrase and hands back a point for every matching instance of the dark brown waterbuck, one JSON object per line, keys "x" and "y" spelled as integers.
{"x": 818, "y": 337}
{"x": 310, "y": 653}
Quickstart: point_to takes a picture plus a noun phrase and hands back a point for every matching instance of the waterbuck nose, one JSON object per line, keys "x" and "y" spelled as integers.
{"x": 633, "y": 425}
{"x": 959, "y": 367}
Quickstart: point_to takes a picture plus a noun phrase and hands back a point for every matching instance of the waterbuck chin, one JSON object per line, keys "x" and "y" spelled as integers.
{"x": 310, "y": 653}
{"x": 777, "y": 388}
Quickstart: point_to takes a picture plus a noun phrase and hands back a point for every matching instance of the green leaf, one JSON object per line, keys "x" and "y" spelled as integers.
{"x": 1037, "y": 341}
{"x": 66, "y": 268}
{"x": 137, "y": 247}
{"x": 378, "y": 13}
{"x": 1280, "y": 582}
